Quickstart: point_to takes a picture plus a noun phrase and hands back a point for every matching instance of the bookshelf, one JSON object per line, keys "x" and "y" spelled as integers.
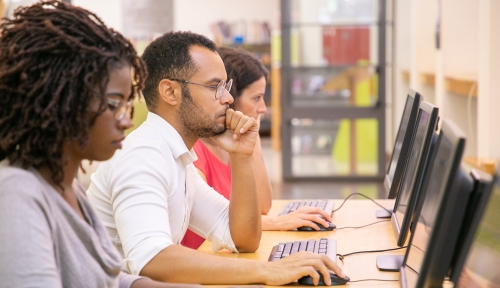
{"x": 334, "y": 67}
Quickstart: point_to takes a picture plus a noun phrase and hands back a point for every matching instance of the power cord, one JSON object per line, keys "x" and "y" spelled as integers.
{"x": 369, "y": 198}
{"x": 363, "y": 225}
{"x": 341, "y": 257}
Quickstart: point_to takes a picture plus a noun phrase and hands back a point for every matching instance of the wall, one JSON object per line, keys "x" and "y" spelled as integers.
{"x": 470, "y": 46}
{"x": 110, "y": 11}
{"x": 197, "y": 15}
{"x": 193, "y": 15}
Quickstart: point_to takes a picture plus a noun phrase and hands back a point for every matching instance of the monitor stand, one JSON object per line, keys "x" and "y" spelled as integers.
{"x": 390, "y": 263}
{"x": 383, "y": 214}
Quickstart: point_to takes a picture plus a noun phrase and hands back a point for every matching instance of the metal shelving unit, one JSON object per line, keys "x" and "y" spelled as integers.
{"x": 333, "y": 106}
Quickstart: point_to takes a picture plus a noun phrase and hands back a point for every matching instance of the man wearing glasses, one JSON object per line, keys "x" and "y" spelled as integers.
{"x": 150, "y": 193}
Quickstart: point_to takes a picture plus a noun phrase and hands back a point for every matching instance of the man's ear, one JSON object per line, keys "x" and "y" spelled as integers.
{"x": 169, "y": 91}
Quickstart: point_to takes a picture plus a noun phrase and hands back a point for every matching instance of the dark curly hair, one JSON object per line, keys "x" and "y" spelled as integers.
{"x": 243, "y": 67}
{"x": 55, "y": 58}
{"x": 167, "y": 57}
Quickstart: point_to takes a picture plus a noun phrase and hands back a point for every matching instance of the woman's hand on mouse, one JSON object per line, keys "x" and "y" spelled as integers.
{"x": 304, "y": 216}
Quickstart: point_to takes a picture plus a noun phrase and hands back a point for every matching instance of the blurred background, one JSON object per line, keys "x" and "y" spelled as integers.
{"x": 340, "y": 73}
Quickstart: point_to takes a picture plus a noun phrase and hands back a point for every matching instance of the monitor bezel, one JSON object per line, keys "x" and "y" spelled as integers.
{"x": 451, "y": 208}
{"x": 483, "y": 186}
{"x": 403, "y": 155}
{"x": 422, "y": 171}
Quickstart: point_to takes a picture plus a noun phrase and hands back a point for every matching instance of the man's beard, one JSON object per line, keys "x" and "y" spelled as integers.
{"x": 196, "y": 120}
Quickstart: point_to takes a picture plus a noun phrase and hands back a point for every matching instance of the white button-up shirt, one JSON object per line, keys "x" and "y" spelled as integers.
{"x": 149, "y": 193}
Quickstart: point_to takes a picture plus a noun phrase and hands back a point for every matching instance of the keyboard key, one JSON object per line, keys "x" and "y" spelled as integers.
{"x": 310, "y": 245}
{"x": 303, "y": 246}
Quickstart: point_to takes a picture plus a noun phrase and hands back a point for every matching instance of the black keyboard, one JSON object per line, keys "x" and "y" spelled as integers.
{"x": 322, "y": 246}
{"x": 324, "y": 204}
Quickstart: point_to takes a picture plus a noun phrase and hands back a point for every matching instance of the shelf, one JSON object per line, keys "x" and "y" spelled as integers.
{"x": 459, "y": 85}
{"x": 427, "y": 78}
{"x": 454, "y": 84}
{"x": 405, "y": 74}
{"x": 483, "y": 164}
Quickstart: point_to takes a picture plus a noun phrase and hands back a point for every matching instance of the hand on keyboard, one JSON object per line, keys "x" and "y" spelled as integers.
{"x": 304, "y": 216}
{"x": 298, "y": 265}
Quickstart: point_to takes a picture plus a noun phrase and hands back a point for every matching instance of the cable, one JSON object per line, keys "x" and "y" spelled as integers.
{"x": 385, "y": 280}
{"x": 341, "y": 257}
{"x": 352, "y": 194}
{"x": 363, "y": 225}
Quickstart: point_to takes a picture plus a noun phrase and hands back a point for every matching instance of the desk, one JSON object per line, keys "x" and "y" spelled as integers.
{"x": 354, "y": 213}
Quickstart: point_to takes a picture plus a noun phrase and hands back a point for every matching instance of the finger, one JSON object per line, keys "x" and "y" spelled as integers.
{"x": 241, "y": 124}
{"x": 319, "y": 212}
{"x": 315, "y": 265}
{"x": 314, "y": 275}
{"x": 251, "y": 122}
{"x": 229, "y": 116}
{"x": 310, "y": 221}
{"x": 312, "y": 225}
{"x": 325, "y": 272}
{"x": 333, "y": 266}
{"x": 314, "y": 210}
{"x": 325, "y": 215}
{"x": 235, "y": 119}
{"x": 321, "y": 221}
{"x": 312, "y": 214}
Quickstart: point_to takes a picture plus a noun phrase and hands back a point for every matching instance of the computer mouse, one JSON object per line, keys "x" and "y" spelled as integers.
{"x": 330, "y": 227}
{"x": 336, "y": 280}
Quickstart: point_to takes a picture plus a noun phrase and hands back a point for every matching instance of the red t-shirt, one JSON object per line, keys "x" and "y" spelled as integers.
{"x": 218, "y": 177}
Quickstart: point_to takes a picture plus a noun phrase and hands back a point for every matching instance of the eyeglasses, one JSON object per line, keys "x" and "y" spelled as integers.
{"x": 219, "y": 88}
{"x": 121, "y": 107}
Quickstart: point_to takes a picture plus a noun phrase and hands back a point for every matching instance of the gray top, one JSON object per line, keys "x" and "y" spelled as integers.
{"x": 45, "y": 243}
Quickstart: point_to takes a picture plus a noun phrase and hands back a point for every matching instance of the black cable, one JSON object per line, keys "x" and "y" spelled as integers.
{"x": 352, "y": 194}
{"x": 341, "y": 257}
{"x": 385, "y": 280}
{"x": 362, "y": 226}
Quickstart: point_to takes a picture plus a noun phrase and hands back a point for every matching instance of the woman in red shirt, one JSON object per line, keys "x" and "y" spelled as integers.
{"x": 249, "y": 84}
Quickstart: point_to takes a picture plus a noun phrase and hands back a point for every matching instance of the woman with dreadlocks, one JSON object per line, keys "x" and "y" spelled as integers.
{"x": 66, "y": 88}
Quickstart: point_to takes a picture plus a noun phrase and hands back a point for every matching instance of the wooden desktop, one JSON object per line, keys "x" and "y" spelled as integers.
{"x": 354, "y": 213}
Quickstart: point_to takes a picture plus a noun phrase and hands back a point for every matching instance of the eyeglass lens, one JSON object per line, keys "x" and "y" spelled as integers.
{"x": 121, "y": 108}
{"x": 223, "y": 86}
{"x": 125, "y": 109}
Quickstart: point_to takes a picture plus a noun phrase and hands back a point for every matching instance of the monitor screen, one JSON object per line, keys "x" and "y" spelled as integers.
{"x": 411, "y": 182}
{"x": 401, "y": 146}
{"x": 436, "y": 226}
{"x": 483, "y": 260}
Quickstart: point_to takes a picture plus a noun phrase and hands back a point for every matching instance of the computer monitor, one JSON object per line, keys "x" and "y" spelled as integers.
{"x": 440, "y": 213}
{"x": 401, "y": 148}
{"x": 483, "y": 257}
{"x": 483, "y": 202}
{"x": 417, "y": 169}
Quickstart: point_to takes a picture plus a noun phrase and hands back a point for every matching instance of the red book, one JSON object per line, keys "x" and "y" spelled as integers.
{"x": 346, "y": 45}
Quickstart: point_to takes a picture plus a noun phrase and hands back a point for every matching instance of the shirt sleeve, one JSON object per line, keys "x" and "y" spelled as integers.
{"x": 210, "y": 214}
{"x": 27, "y": 257}
{"x": 125, "y": 280}
{"x": 139, "y": 203}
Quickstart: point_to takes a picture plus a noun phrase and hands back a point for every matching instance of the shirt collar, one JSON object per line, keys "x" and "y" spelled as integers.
{"x": 172, "y": 138}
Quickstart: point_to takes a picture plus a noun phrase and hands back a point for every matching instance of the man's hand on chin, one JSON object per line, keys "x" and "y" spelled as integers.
{"x": 241, "y": 133}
